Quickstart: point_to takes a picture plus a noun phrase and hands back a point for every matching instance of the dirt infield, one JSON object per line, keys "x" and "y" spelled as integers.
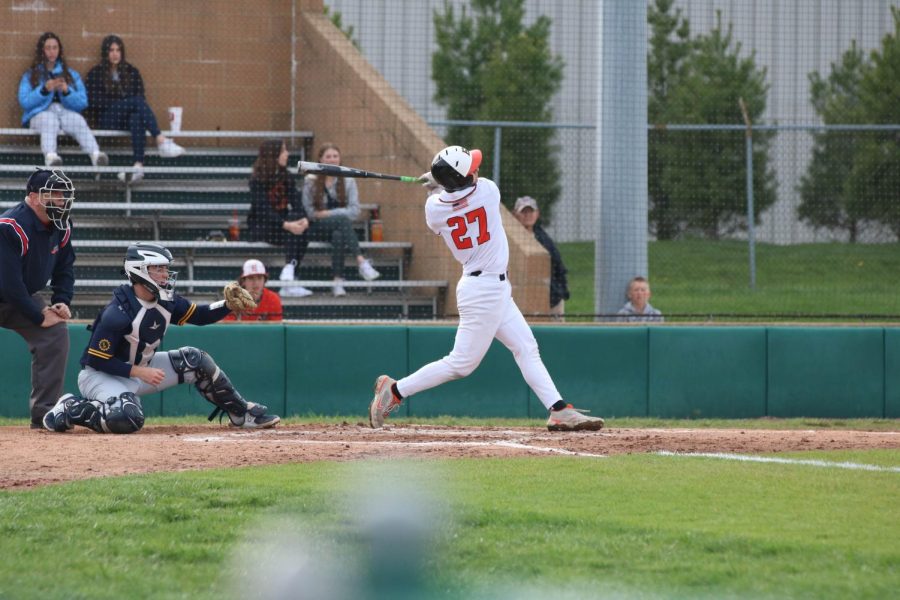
{"x": 33, "y": 457}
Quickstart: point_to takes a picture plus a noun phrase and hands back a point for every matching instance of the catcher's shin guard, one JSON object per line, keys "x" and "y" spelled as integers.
{"x": 216, "y": 387}
{"x": 118, "y": 414}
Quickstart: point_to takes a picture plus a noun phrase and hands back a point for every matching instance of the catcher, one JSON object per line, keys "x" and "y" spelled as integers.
{"x": 121, "y": 362}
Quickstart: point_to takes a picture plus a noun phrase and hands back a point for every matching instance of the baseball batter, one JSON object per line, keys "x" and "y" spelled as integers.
{"x": 121, "y": 362}
{"x": 466, "y": 214}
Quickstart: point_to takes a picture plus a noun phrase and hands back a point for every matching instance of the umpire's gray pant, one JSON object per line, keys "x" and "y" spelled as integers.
{"x": 49, "y": 352}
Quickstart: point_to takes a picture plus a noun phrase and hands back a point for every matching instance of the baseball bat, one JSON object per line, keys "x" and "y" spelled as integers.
{"x": 339, "y": 171}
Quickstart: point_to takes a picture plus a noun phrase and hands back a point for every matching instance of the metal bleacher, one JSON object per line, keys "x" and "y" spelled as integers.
{"x": 188, "y": 205}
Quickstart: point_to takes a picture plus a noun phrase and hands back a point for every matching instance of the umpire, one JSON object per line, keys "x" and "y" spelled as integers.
{"x": 35, "y": 247}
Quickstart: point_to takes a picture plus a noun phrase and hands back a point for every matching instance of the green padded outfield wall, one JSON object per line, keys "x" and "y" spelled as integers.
{"x": 694, "y": 372}
{"x": 833, "y": 372}
{"x": 892, "y": 373}
{"x": 698, "y": 372}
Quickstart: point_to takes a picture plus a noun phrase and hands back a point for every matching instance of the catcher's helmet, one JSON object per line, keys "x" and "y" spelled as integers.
{"x": 45, "y": 183}
{"x": 139, "y": 257}
{"x": 454, "y": 167}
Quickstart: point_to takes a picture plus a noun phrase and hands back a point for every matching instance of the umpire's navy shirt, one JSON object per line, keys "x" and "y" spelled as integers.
{"x": 32, "y": 253}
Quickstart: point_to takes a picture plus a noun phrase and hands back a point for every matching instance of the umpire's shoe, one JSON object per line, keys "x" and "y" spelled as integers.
{"x": 56, "y": 419}
{"x": 573, "y": 419}
{"x": 254, "y": 418}
{"x": 383, "y": 403}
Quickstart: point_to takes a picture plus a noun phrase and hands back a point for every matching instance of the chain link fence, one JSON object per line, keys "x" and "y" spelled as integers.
{"x": 803, "y": 226}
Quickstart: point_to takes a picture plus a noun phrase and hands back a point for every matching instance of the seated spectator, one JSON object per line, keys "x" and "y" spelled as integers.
{"x": 332, "y": 204}
{"x": 268, "y": 305}
{"x": 116, "y": 101}
{"x": 276, "y": 211}
{"x": 527, "y": 212}
{"x": 638, "y": 306}
{"x": 52, "y": 97}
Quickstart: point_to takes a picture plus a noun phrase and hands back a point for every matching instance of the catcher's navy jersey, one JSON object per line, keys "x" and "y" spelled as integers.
{"x": 129, "y": 331}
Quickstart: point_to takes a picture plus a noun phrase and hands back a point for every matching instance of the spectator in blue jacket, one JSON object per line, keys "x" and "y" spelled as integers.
{"x": 52, "y": 97}
{"x": 116, "y": 92}
{"x": 35, "y": 247}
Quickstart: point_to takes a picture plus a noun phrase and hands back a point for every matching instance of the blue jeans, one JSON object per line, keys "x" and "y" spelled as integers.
{"x": 133, "y": 114}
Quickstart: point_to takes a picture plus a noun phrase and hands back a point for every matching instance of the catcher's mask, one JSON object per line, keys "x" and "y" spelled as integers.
{"x": 51, "y": 187}
{"x": 139, "y": 257}
{"x": 454, "y": 167}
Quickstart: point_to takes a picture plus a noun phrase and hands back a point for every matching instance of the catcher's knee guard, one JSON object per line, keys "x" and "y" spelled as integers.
{"x": 212, "y": 382}
{"x": 119, "y": 414}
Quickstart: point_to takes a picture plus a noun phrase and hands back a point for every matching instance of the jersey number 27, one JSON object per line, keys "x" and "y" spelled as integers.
{"x": 459, "y": 228}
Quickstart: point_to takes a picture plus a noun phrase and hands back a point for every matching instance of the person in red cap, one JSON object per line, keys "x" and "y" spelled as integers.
{"x": 268, "y": 305}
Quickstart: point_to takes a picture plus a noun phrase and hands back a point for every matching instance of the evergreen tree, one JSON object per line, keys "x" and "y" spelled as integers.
{"x": 826, "y": 200}
{"x": 875, "y": 176}
{"x": 490, "y": 67}
{"x": 705, "y": 171}
{"x": 669, "y": 47}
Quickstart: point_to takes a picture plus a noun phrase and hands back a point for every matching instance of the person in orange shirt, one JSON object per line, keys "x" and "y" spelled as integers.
{"x": 253, "y": 279}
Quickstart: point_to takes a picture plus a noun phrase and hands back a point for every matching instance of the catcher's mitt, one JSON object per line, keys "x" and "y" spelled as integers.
{"x": 238, "y": 299}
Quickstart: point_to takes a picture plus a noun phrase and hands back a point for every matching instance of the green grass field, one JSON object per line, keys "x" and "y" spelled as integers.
{"x": 712, "y": 278}
{"x": 629, "y": 526}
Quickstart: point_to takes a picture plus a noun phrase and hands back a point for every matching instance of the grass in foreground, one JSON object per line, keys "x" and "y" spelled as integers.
{"x": 705, "y": 277}
{"x": 622, "y": 422}
{"x": 640, "y": 525}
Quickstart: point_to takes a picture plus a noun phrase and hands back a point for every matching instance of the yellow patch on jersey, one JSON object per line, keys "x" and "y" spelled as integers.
{"x": 104, "y": 344}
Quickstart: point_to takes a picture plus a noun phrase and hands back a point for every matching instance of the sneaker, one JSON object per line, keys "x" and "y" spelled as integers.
{"x": 56, "y": 419}
{"x": 295, "y": 291}
{"x": 383, "y": 403}
{"x": 135, "y": 177}
{"x": 52, "y": 159}
{"x": 254, "y": 418}
{"x": 367, "y": 271}
{"x": 287, "y": 272}
{"x": 338, "y": 289}
{"x": 169, "y": 149}
{"x": 573, "y": 419}
{"x": 99, "y": 159}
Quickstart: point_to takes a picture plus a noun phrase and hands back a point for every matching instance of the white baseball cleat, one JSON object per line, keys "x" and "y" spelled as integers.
{"x": 55, "y": 419}
{"x": 573, "y": 419}
{"x": 383, "y": 403}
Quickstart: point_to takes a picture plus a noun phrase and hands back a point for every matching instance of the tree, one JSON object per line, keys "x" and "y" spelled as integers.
{"x": 705, "y": 171}
{"x": 337, "y": 20}
{"x": 490, "y": 67}
{"x": 669, "y": 47}
{"x": 826, "y": 198}
{"x": 875, "y": 176}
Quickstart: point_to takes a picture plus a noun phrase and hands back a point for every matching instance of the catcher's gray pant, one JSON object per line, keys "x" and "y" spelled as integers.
{"x": 486, "y": 311}
{"x": 97, "y": 385}
{"x": 57, "y": 117}
{"x": 49, "y": 347}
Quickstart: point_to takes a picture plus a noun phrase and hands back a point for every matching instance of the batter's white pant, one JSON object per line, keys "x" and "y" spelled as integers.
{"x": 486, "y": 310}
{"x": 56, "y": 118}
{"x": 97, "y": 385}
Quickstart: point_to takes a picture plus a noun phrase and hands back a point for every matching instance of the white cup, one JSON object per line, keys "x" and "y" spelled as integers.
{"x": 175, "y": 118}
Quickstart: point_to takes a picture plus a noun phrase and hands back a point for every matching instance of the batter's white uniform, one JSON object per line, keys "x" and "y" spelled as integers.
{"x": 469, "y": 222}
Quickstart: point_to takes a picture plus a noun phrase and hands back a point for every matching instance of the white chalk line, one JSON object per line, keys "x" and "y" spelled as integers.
{"x": 400, "y": 444}
{"x": 783, "y": 461}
